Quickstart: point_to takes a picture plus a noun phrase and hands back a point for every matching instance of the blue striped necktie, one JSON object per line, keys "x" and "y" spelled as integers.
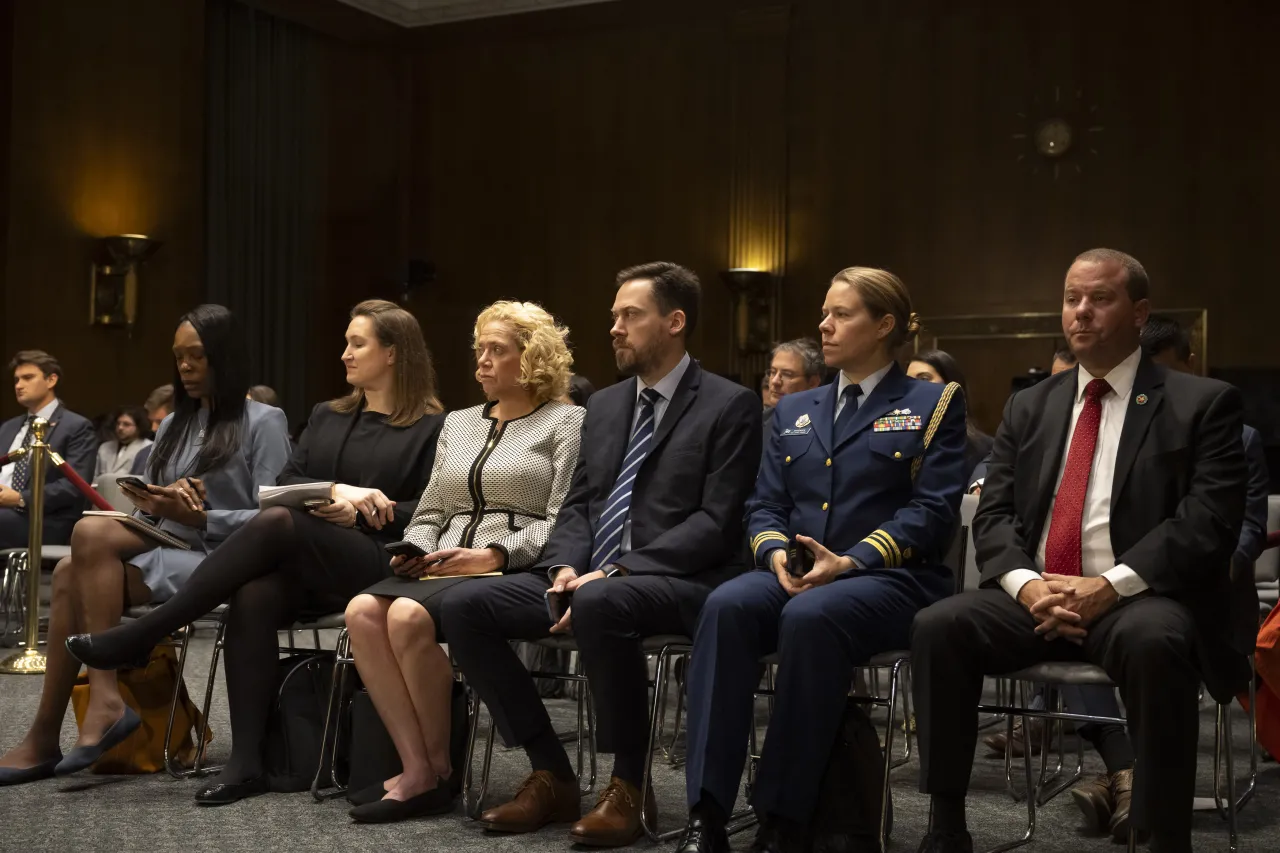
{"x": 607, "y": 543}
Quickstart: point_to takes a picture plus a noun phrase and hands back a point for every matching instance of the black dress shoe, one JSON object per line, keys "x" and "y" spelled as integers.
{"x": 439, "y": 800}
{"x": 81, "y": 648}
{"x": 84, "y": 756}
{"x": 778, "y": 835}
{"x": 22, "y": 775}
{"x": 224, "y": 793}
{"x": 700, "y": 838}
{"x": 946, "y": 842}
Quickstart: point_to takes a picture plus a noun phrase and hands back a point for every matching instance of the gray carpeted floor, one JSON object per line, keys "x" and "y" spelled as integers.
{"x": 156, "y": 813}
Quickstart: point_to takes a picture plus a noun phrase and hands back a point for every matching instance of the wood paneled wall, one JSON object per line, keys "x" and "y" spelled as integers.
{"x": 106, "y": 137}
{"x": 550, "y": 150}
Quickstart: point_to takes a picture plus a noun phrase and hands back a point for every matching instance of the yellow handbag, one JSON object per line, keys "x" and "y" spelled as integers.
{"x": 149, "y": 692}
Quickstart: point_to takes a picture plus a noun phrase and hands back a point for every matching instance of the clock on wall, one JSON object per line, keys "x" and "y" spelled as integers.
{"x": 1058, "y": 134}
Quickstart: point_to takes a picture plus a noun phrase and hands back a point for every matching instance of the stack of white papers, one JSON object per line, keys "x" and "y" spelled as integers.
{"x": 294, "y": 496}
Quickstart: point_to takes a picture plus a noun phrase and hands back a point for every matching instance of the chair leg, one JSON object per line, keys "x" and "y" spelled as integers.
{"x": 908, "y": 716}
{"x": 1233, "y": 839}
{"x": 888, "y": 757}
{"x": 170, "y": 764}
{"x": 672, "y": 759}
{"x": 470, "y": 809}
{"x": 333, "y": 711}
{"x": 219, "y": 639}
{"x": 1031, "y": 790}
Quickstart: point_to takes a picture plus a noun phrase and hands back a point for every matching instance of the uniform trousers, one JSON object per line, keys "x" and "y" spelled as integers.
{"x": 821, "y": 636}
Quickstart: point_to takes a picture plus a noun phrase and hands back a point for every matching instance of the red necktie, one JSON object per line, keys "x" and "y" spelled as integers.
{"x": 1062, "y": 549}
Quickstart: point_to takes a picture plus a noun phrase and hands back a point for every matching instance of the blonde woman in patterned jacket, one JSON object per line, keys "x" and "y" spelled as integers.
{"x": 501, "y": 472}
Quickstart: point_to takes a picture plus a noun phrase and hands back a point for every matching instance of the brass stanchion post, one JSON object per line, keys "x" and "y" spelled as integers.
{"x": 29, "y": 661}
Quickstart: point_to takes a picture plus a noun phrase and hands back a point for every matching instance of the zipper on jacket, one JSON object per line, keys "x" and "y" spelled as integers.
{"x": 473, "y": 484}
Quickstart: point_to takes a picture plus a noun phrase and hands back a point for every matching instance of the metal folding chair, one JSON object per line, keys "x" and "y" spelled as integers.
{"x": 1058, "y": 674}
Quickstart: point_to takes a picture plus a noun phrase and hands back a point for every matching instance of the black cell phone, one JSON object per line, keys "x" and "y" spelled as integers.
{"x": 135, "y": 483}
{"x": 404, "y": 549}
{"x": 557, "y": 604}
{"x": 316, "y": 503}
{"x": 799, "y": 559}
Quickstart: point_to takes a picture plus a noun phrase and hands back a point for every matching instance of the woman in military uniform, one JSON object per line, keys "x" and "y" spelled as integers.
{"x": 865, "y": 475}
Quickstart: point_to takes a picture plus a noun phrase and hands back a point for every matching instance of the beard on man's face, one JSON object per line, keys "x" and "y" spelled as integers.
{"x": 633, "y": 361}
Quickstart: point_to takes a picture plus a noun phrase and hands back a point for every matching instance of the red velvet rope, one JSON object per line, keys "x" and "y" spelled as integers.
{"x": 4, "y": 460}
{"x": 85, "y": 489}
{"x": 1273, "y": 539}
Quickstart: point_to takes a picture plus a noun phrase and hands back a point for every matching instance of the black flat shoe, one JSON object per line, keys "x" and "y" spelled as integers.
{"x": 225, "y": 793}
{"x": 439, "y": 800}
{"x": 700, "y": 838}
{"x": 84, "y": 756}
{"x": 81, "y": 648}
{"x": 22, "y": 775}
{"x": 370, "y": 794}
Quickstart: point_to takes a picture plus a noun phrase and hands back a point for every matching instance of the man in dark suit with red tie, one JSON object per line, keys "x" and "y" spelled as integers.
{"x": 1111, "y": 509}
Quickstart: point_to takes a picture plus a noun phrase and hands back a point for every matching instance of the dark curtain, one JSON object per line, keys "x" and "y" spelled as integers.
{"x": 264, "y": 187}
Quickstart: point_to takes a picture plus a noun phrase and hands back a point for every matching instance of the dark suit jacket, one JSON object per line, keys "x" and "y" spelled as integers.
{"x": 73, "y": 438}
{"x": 1177, "y": 501}
{"x": 399, "y": 463}
{"x": 686, "y": 504}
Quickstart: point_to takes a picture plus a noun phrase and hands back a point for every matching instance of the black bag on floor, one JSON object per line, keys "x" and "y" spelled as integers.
{"x": 373, "y": 756}
{"x": 294, "y": 733}
{"x": 847, "y": 815}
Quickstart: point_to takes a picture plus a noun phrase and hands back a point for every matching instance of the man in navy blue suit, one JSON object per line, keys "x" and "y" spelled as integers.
{"x": 866, "y": 475}
{"x": 651, "y": 523}
{"x": 35, "y": 377}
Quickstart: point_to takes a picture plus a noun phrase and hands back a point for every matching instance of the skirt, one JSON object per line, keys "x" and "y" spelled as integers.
{"x": 429, "y": 593}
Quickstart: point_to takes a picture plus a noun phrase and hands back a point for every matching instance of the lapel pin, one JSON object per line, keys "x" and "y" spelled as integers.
{"x": 1141, "y": 399}
{"x": 802, "y": 422}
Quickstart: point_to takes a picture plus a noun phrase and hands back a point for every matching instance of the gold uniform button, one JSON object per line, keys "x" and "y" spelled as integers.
{"x": 828, "y": 463}
{"x": 788, "y": 458}
{"x": 897, "y": 454}
{"x": 824, "y": 506}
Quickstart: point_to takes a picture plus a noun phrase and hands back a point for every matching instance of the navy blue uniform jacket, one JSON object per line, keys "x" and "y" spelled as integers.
{"x": 887, "y": 495}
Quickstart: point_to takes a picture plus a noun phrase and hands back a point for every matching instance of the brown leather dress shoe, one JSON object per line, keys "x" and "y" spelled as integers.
{"x": 1121, "y": 793}
{"x": 1095, "y": 801}
{"x": 998, "y": 741}
{"x": 541, "y": 800}
{"x": 615, "y": 821}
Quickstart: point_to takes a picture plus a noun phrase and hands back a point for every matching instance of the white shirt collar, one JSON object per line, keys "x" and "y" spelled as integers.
{"x": 47, "y": 411}
{"x": 1120, "y": 378}
{"x": 868, "y": 385}
{"x": 666, "y": 386}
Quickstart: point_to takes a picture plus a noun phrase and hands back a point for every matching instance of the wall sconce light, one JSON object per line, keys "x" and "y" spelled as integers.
{"x": 752, "y": 292}
{"x": 113, "y": 279}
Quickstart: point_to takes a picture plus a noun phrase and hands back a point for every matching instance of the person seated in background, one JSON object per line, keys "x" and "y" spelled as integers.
{"x": 130, "y": 433}
{"x": 1111, "y": 510}
{"x": 500, "y": 477}
{"x": 264, "y": 394}
{"x": 158, "y": 405}
{"x": 378, "y": 444}
{"x": 652, "y": 522}
{"x": 872, "y": 493}
{"x": 215, "y": 450}
{"x": 580, "y": 390}
{"x": 795, "y": 365}
{"x": 1063, "y": 359}
{"x": 937, "y": 366}
{"x": 36, "y": 375}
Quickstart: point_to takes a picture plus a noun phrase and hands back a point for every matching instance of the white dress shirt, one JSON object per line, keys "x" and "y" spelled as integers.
{"x": 666, "y": 388}
{"x": 6, "y": 473}
{"x": 1096, "y": 557}
{"x": 868, "y": 385}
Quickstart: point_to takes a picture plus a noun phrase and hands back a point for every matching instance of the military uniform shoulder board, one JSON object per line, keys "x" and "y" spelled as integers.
{"x": 939, "y": 412}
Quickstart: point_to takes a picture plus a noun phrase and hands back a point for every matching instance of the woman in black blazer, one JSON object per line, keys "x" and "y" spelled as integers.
{"x": 377, "y": 445}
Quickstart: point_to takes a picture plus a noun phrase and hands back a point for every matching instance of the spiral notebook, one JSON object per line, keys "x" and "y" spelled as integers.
{"x": 132, "y": 521}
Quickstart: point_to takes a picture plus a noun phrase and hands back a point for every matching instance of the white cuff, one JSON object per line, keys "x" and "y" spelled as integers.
{"x": 555, "y": 570}
{"x": 1125, "y": 580}
{"x": 1014, "y": 581}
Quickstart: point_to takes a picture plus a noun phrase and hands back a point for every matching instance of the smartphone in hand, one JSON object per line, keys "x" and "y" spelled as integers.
{"x": 799, "y": 559}
{"x": 404, "y": 549}
{"x": 135, "y": 483}
{"x": 317, "y": 503}
{"x": 557, "y": 604}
